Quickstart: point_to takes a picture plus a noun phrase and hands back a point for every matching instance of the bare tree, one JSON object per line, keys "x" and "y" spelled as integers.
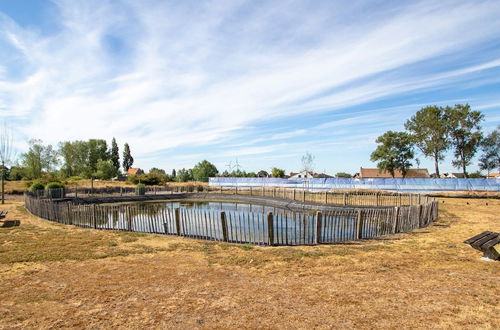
{"x": 308, "y": 162}
{"x": 6, "y": 153}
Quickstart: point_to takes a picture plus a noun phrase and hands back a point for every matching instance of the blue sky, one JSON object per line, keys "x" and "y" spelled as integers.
{"x": 260, "y": 81}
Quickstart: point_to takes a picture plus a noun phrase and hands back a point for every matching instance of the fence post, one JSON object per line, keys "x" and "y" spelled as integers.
{"x": 94, "y": 218}
{"x": 303, "y": 195}
{"x": 223, "y": 223}
{"x": 70, "y": 219}
{"x": 129, "y": 217}
{"x": 270, "y": 228}
{"x": 359, "y": 226}
{"x": 274, "y": 191}
{"x": 177, "y": 221}
{"x": 250, "y": 190}
{"x": 377, "y": 196}
{"x": 236, "y": 189}
{"x": 396, "y": 218}
{"x": 344, "y": 199}
{"x": 293, "y": 193}
{"x": 326, "y": 197}
{"x": 319, "y": 220}
{"x": 420, "y": 216}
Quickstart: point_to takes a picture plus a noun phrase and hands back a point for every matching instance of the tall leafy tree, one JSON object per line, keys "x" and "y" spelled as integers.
{"x": 465, "y": 133}
{"x": 490, "y": 158}
{"x": 75, "y": 157}
{"x": 128, "y": 160}
{"x": 262, "y": 174}
{"x": 98, "y": 150}
{"x": 105, "y": 170}
{"x": 184, "y": 175}
{"x": 395, "y": 152}
{"x": 429, "y": 129}
{"x": 39, "y": 159}
{"x": 115, "y": 155}
{"x": 157, "y": 171}
{"x": 277, "y": 172}
{"x": 204, "y": 170}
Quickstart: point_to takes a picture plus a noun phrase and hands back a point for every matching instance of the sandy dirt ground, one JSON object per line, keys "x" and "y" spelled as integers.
{"x": 56, "y": 276}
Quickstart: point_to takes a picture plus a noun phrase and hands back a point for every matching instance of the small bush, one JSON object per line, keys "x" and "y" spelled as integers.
{"x": 152, "y": 179}
{"x": 54, "y": 185}
{"x": 140, "y": 189}
{"x": 36, "y": 186}
{"x": 55, "y": 190}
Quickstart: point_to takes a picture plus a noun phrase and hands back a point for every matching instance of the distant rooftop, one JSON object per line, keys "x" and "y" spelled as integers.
{"x": 377, "y": 173}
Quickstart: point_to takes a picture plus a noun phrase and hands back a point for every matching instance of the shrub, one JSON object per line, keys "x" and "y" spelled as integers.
{"x": 133, "y": 179}
{"x": 140, "y": 189}
{"x": 54, "y": 185}
{"x": 36, "y": 186}
{"x": 147, "y": 179}
{"x": 55, "y": 190}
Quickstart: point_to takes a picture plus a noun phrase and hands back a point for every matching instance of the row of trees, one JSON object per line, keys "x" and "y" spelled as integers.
{"x": 200, "y": 172}
{"x": 86, "y": 159}
{"x": 434, "y": 131}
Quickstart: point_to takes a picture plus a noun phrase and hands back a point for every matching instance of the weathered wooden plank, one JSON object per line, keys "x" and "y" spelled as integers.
{"x": 319, "y": 223}
{"x": 477, "y": 237}
{"x": 270, "y": 228}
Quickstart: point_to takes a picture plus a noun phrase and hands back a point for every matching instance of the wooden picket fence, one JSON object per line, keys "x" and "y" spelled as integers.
{"x": 282, "y": 227}
{"x": 328, "y": 197}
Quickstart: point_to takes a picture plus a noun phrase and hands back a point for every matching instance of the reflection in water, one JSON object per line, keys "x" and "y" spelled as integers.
{"x": 234, "y": 222}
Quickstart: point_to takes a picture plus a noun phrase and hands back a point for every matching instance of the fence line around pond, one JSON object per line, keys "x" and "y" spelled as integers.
{"x": 327, "y": 197}
{"x": 279, "y": 228}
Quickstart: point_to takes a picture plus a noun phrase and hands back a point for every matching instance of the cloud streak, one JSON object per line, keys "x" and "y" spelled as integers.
{"x": 167, "y": 76}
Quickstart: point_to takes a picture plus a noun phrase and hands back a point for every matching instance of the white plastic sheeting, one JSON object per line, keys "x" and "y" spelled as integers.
{"x": 408, "y": 184}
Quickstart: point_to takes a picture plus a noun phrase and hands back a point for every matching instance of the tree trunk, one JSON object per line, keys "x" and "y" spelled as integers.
{"x": 436, "y": 165}
{"x": 3, "y": 186}
{"x": 464, "y": 170}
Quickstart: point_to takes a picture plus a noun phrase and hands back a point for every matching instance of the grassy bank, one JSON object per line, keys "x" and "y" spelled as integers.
{"x": 61, "y": 276}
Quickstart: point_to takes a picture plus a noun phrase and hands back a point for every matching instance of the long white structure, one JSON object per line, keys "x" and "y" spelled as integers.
{"x": 408, "y": 185}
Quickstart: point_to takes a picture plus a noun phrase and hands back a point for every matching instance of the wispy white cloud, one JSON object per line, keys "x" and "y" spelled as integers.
{"x": 168, "y": 75}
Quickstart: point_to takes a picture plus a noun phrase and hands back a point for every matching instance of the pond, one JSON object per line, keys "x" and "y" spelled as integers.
{"x": 237, "y": 222}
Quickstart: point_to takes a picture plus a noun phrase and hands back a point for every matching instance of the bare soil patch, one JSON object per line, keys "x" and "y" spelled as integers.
{"x": 55, "y": 276}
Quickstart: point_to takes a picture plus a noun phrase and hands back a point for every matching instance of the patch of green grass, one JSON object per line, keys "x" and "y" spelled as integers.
{"x": 128, "y": 239}
{"x": 246, "y": 247}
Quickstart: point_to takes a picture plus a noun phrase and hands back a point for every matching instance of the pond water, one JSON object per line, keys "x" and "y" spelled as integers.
{"x": 237, "y": 222}
{"x": 218, "y": 206}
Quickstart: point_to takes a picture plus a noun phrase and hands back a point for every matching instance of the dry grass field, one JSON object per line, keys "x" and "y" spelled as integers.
{"x": 56, "y": 276}
{"x": 20, "y": 186}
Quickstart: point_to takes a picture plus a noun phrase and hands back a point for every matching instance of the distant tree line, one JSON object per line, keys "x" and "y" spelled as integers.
{"x": 84, "y": 159}
{"x": 433, "y": 131}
